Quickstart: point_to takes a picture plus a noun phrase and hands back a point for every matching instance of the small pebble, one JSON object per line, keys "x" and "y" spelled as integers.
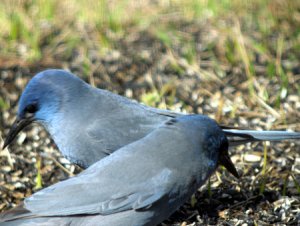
{"x": 252, "y": 158}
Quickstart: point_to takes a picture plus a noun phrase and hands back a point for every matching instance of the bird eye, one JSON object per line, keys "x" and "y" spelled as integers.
{"x": 31, "y": 108}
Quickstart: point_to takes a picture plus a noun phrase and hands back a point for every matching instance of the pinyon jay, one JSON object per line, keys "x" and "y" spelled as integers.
{"x": 140, "y": 184}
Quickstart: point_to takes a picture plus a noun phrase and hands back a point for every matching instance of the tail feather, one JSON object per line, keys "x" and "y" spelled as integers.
{"x": 237, "y": 137}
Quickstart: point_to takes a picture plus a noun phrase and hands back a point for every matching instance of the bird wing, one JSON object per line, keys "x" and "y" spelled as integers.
{"x": 125, "y": 125}
{"x": 80, "y": 195}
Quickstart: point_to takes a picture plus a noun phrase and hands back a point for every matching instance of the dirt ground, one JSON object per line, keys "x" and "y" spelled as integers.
{"x": 143, "y": 67}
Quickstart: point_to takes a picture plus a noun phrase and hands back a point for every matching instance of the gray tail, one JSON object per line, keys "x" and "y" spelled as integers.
{"x": 237, "y": 137}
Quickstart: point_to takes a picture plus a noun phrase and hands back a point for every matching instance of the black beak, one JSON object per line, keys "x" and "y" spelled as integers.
{"x": 18, "y": 125}
{"x": 225, "y": 161}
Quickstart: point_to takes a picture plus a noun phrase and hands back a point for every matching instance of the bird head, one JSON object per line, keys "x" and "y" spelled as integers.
{"x": 211, "y": 139}
{"x": 41, "y": 100}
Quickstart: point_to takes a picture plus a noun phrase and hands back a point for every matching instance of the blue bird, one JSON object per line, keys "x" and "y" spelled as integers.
{"x": 88, "y": 124}
{"x": 140, "y": 184}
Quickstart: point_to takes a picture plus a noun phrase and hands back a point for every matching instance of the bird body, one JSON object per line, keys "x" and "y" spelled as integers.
{"x": 100, "y": 132}
{"x": 140, "y": 184}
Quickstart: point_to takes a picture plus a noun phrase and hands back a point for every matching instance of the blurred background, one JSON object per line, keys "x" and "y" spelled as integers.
{"x": 236, "y": 61}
